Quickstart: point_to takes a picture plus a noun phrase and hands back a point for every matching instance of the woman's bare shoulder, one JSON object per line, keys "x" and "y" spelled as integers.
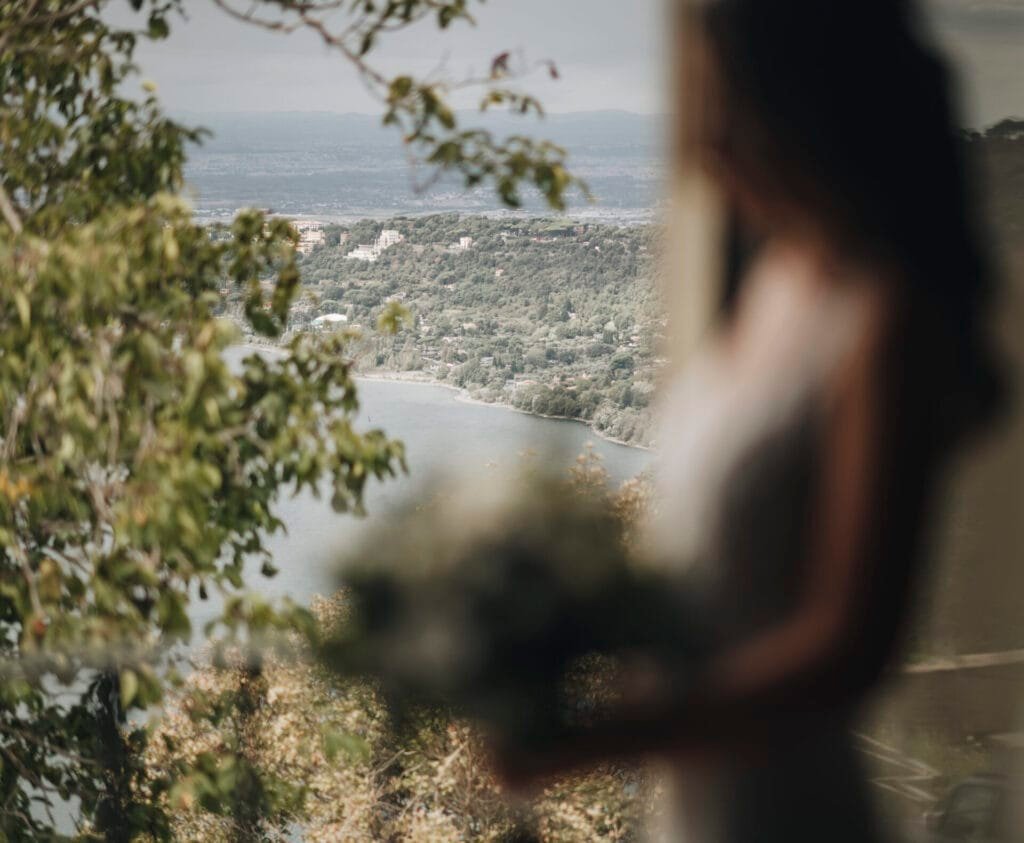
{"x": 872, "y": 305}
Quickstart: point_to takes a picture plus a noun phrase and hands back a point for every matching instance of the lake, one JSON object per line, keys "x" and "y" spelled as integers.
{"x": 441, "y": 432}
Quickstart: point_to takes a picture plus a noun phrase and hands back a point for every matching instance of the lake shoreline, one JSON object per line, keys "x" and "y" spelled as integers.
{"x": 419, "y": 379}
{"x": 462, "y": 394}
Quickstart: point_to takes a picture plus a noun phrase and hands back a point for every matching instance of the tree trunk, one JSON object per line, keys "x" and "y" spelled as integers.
{"x": 115, "y": 803}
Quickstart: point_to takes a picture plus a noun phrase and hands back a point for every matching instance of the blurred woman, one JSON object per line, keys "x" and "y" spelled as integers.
{"x": 803, "y": 445}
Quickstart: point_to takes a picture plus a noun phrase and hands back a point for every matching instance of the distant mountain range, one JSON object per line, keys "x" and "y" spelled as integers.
{"x": 349, "y": 165}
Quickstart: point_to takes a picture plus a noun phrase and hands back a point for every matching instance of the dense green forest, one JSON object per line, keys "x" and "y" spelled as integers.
{"x": 549, "y": 316}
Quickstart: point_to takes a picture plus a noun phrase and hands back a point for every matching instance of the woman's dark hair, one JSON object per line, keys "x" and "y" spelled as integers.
{"x": 844, "y": 108}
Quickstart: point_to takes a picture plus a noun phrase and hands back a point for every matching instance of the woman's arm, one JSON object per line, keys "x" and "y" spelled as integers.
{"x": 820, "y": 641}
{"x": 814, "y": 659}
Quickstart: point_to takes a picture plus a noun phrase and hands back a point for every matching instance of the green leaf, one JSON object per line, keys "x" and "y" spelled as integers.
{"x": 337, "y": 742}
{"x": 393, "y": 318}
{"x": 128, "y": 684}
{"x": 24, "y": 308}
{"x": 158, "y": 27}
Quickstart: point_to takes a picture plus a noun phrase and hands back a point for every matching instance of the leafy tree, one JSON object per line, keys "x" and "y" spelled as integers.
{"x": 140, "y": 467}
{"x": 623, "y": 362}
{"x": 137, "y": 465}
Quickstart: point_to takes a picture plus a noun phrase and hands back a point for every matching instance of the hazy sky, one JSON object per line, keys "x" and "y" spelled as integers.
{"x": 986, "y": 40}
{"x": 609, "y": 52}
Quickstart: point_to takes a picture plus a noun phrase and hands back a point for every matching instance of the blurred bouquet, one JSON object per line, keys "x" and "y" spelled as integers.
{"x": 510, "y": 604}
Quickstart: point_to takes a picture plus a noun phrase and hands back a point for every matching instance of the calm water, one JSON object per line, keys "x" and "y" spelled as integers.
{"x": 441, "y": 433}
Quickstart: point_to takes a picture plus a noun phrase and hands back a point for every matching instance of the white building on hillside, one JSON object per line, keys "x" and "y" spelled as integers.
{"x": 311, "y": 235}
{"x": 364, "y": 252}
{"x": 389, "y": 237}
{"x": 329, "y": 320}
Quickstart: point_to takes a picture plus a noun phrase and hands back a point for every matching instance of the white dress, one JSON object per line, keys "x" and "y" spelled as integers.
{"x": 736, "y": 480}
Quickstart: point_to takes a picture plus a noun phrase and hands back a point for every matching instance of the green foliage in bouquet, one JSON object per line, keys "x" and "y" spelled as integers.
{"x": 498, "y": 609}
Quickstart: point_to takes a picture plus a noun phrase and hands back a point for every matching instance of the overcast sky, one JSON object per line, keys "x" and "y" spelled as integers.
{"x": 609, "y": 52}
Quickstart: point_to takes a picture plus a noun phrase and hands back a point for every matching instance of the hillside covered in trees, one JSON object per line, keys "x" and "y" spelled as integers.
{"x": 548, "y": 316}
